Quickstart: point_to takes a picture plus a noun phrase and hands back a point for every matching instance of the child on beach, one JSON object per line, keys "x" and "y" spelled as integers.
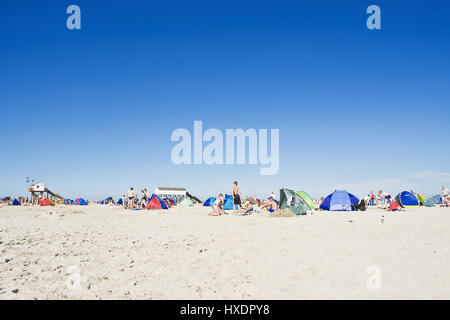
{"x": 217, "y": 206}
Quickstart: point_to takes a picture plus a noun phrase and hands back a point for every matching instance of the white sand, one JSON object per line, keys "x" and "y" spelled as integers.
{"x": 182, "y": 253}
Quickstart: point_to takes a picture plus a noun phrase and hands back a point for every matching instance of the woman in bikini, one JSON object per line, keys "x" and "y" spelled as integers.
{"x": 217, "y": 206}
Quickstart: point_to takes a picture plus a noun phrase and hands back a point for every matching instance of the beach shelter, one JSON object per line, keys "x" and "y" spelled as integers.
{"x": 120, "y": 202}
{"x": 209, "y": 202}
{"x": 155, "y": 203}
{"x": 44, "y": 202}
{"x": 102, "y": 202}
{"x": 16, "y": 202}
{"x": 407, "y": 200}
{"x": 170, "y": 202}
{"x": 186, "y": 202}
{"x": 433, "y": 200}
{"x": 109, "y": 199}
{"x": 307, "y": 199}
{"x": 291, "y": 200}
{"x": 339, "y": 200}
{"x": 81, "y": 202}
{"x": 228, "y": 202}
{"x": 421, "y": 199}
{"x": 68, "y": 201}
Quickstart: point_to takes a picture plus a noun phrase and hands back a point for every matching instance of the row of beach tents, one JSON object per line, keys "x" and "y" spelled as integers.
{"x": 340, "y": 200}
{"x": 44, "y": 202}
{"x": 298, "y": 202}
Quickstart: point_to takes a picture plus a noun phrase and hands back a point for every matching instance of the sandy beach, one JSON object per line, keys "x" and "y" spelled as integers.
{"x": 103, "y": 252}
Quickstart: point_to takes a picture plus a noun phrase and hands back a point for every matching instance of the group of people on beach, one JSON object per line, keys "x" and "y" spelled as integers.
{"x": 132, "y": 201}
{"x": 239, "y": 207}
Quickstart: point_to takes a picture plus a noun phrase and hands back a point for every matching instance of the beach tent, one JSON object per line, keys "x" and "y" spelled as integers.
{"x": 291, "y": 200}
{"x": 155, "y": 203}
{"x": 16, "y": 202}
{"x": 68, "y": 201}
{"x": 421, "y": 199}
{"x": 307, "y": 199}
{"x": 81, "y": 202}
{"x": 433, "y": 200}
{"x": 170, "y": 202}
{"x": 407, "y": 200}
{"x": 186, "y": 202}
{"x": 209, "y": 202}
{"x": 109, "y": 199}
{"x": 228, "y": 202}
{"x": 102, "y": 202}
{"x": 120, "y": 202}
{"x": 339, "y": 200}
{"x": 44, "y": 202}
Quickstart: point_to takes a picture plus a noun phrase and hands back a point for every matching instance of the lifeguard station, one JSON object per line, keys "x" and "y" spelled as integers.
{"x": 39, "y": 188}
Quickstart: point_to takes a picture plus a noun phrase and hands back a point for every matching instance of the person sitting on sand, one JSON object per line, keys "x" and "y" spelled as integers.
{"x": 272, "y": 206}
{"x": 217, "y": 206}
{"x": 247, "y": 207}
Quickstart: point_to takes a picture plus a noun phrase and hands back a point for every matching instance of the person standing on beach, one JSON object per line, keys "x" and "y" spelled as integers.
{"x": 237, "y": 196}
{"x": 445, "y": 196}
{"x": 131, "y": 195}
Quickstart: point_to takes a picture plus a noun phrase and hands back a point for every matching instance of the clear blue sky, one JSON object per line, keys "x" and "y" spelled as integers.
{"x": 90, "y": 112}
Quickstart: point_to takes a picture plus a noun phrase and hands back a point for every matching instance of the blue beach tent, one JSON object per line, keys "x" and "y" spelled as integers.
{"x": 407, "y": 200}
{"x": 339, "y": 200}
{"x": 68, "y": 201}
{"x": 431, "y": 201}
{"x": 16, "y": 202}
{"x": 228, "y": 202}
{"x": 156, "y": 203}
{"x": 120, "y": 202}
{"x": 81, "y": 202}
{"x": 209, "y": 202}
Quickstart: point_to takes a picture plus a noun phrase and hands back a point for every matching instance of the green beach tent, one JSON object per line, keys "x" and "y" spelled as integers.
{"x": 186, "y": 202}
{"x": 291, "y": 200}
{"x": 307, "y": 199}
